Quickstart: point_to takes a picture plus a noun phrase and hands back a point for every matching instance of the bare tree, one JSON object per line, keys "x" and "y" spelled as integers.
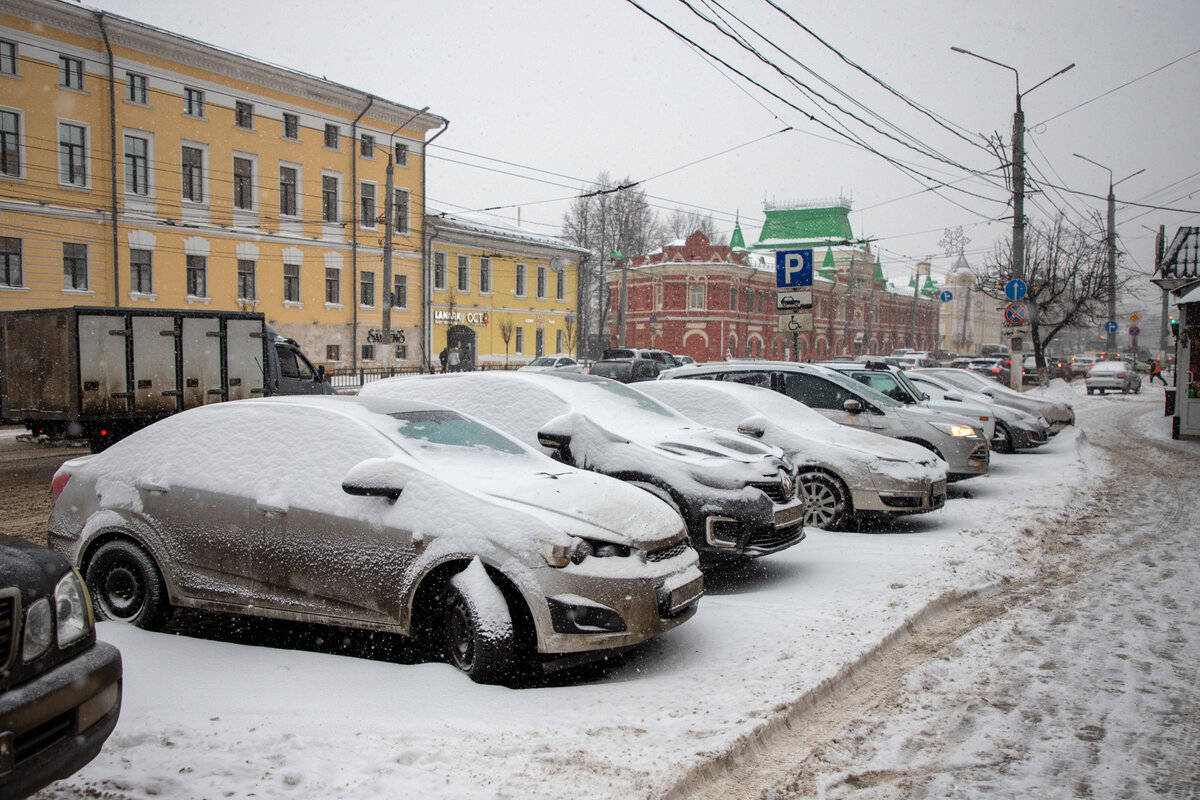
{"x": 683, "y": 223}
{"x": 506, "y": 333}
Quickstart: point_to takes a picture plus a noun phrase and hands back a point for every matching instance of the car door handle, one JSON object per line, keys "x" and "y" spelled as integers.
{"x": 153, "y": 488}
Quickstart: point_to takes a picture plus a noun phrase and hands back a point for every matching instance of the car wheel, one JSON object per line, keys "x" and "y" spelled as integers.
{"x": 126, "y": 585}
{"x": 1137, "y": 389}
{"x": 1002, "y": 442}
{"x": 826, "y": 501}
{"x": 1089, "y": 391}
{"x": 477, "y": 628}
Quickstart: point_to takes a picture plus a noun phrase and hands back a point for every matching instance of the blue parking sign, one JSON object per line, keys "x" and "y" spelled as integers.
{"x": 793, "y": 268}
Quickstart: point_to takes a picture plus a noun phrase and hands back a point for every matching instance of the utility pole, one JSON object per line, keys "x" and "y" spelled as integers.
{"x": 624, "y": 306}
{"x": 388, "y": 225}
{"x": 1160, "y": 242}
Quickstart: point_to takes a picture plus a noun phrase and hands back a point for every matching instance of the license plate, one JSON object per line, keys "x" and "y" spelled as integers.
{"x": 789, "y": 516}
{"x": 686, "y": 594}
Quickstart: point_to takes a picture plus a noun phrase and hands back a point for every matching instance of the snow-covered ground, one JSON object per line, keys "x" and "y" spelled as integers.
{"x": 213, "y": 719}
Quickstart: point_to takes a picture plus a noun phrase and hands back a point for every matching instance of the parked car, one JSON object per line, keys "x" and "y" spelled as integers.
{"x": 1080, "y": 364}
{"x": 846, "y": 401}
{"x": 737, "y": 496}
{"x": 385, "y": 515}
{"x": 1113, "y": 376}
{"x": 653, "y": 353}
{"x": 1015, "y": 429}
{"x": 1059, "y": 415}
{"x": 554, "y": 363}
{"x": 843, "y": 472}
{"x": 60, "y": 688}
{"x": 960, "y": 362}
{"x": 628, "y": 370}
{"x": 995, "y": 368}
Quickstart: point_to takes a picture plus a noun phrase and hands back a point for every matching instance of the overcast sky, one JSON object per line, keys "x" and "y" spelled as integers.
{"x": 556, "y": 91}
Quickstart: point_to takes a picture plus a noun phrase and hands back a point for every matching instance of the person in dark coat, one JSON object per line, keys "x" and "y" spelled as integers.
{"x": 442, "y": 358}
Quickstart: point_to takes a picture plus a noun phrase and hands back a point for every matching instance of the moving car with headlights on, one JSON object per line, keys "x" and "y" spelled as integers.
{"x": 407, "y": 518}
{"x": 846, "y": 401}
{"x": 60, "y": 689}
{"x": 1015, "y": 429}
{"x": 1058, "y": 415}
{"x": 737, "y": 496}
{"x": 843, "y": 472}
{"x": 1113, "y": 376}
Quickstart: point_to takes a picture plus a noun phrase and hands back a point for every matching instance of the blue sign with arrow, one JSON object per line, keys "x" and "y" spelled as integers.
{"x": 1110, "y": 326}
{"x": 1015, "y": 289}
{"x": 947, "y": 296}
{"x": 793, "y": 268}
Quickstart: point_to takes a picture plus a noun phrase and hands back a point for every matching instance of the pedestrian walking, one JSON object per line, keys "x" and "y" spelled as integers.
{"x": 442, "y": 358}
{"x": 1156, "y": 371}
{"x": 453, "y": 359}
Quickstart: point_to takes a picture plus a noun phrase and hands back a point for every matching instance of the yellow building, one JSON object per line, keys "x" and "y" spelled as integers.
{"x": 500, "y": 295}
{"x": 139, "y": 168}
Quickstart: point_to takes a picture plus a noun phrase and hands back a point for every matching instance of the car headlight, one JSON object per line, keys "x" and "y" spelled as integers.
{"x": 39, "y": 629}
{"x": 953, "y": 429}
{"x": 559, "y": 555}
{"x": 73, "y": 608}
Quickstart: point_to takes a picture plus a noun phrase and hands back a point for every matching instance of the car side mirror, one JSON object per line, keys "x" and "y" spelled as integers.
{"x": 953, "y": 397}
{"x": 852, "y": 406}
{"x": 377, "y": 477}
{"x": 554, "y": 441}
{"x": 751, "y": 426}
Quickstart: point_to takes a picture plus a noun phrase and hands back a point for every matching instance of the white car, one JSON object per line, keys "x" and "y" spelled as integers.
{"x": 1113, "y": 376}
{"x": 555, "y": 363}
{"x": 843, "y": 471}
{"x": 1015, "y": 429}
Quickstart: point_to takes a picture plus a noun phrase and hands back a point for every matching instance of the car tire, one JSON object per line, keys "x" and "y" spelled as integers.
{"x": 1002, "y": 442}
{"x": 826, "y": 501}
{"x": 126, "y": 585}
{"x": 1089, "y": 391}
{"x": 477, "y": 629}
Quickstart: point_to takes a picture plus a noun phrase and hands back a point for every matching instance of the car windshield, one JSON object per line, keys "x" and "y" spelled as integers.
{"x": 451, "y": 428}
{"x": 543, "y": 361}
{"x": 863, "y": 389}
{"x": 617, "y": 410}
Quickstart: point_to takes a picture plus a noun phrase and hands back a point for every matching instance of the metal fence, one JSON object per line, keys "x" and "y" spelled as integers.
{"x": 349, "y": 381}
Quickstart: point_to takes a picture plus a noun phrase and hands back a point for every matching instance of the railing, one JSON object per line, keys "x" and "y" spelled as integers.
{"x": 349, "y": 381}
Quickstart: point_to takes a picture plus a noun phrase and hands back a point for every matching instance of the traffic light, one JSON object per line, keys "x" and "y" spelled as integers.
{"x": 1174, "y": 323}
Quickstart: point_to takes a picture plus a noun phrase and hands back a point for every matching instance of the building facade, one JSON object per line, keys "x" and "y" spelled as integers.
{"x": 970, "y": 319}
{"x": 500, "y": 295}
{"x": 712, "y": 302}
{"x": 145, "y": 169}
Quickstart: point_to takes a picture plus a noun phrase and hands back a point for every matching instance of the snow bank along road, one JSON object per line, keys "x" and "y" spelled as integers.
{"x": 1036, "y": 637}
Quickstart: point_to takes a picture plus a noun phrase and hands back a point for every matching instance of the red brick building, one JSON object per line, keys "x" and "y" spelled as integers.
{"x": 710, "y": 301}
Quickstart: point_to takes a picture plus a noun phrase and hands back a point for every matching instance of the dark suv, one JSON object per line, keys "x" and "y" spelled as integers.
{"x": 60, "y": 689}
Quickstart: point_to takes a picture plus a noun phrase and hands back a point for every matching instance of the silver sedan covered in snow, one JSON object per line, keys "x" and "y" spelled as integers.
{"x": 843, "y": 471}
{"x": 385, "y": 515}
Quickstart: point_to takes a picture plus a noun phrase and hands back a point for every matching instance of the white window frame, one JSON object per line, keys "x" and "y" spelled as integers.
{"x": 13, "y": 57}
{"x": 70, "y": 68}
{"x": 401, "y": 225}
{"x": 142, "y": 90}
{"x": 299, "y": 193}
{"x": 439, "y": 267}
{"x": 542, "y": 283}
{"x": 485, "y": 275}
{"x": 462, "y": 274}
{"x": 20, "y": 133}
{"x": 193, "y": 102}
{"x": 519, "y": 281}
{"x": 253, "y": 189}
{"x": 337, "y": 205}
{"x": 87, "y": 154}
{"x": 364, "y": 223}
{"x": 148, "y": 138}
{"x": 204, "y": 171}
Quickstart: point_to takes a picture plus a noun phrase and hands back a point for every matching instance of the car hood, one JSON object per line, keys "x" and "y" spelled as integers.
{"x": 35, "y": 569}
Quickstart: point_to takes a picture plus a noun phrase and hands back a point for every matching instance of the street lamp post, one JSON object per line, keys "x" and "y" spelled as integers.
{"x": 1110, "y": 241}
{"x": 1017, "y": 269}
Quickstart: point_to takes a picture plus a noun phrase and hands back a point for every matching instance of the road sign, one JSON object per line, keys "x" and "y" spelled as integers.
{"x": 1111, "y": 326}
{"x": 793, "y": 268}
{"x": 1134, "y": 330}
{"x": 789, "y": 301}
{"x": 1134, "y": 318}
{"x": 1016, "y": 314}
{"x": 1015, "y": 289}
{"x": 947, "y": 296}
{"x": 795, "y": 323}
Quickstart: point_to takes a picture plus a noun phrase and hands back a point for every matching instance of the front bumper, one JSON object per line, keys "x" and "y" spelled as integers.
{"x": 966, "y": 457}
{"x": 906, "y": 501}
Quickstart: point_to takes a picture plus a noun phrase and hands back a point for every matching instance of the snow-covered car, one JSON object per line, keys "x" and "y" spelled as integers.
{"x": 737, "y": 496}
{"x": 1015, "y": 429}
{"x": 844, "y": 400}
{"x": 843, "y": 472}
{"x": 555, "y": 363}
{"x": 378, "y": 514}
{"x": 1113, "y": 376}
{"x": 60, "y": 688}
{"x": 1080, "y": 364}
{"x": 1059, "y": 415}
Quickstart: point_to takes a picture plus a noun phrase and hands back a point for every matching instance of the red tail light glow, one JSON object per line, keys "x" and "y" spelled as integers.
{"x": 57, "y": 484}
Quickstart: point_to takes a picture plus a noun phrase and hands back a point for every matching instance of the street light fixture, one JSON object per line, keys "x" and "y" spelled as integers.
{"x": 1017, "y": 269}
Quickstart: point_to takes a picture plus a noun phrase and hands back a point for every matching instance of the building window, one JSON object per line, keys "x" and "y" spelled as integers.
{"x": 197, "y": 276}
{"x": 696, "y": 296}
{"x": 137, "y": 165}
{"x": 485, "y": 276}
{"x": 333, "y": 286}
{"x": 72, "y": 154}
{"x": 367, "y": 290}
{"x": 332, "y": 135}
{"x": 246, "y": 279}
{"x": 8, "y": 57}
{"x": 333, "y": 352}
{"x": 519, "y": 343}
{"x": 366, "y": 146}
{"x": 464, "y": 274}
{"x": 137, "y": 88}
{"x": 560, "y": 288}
{"x": 439, "y": 272}
{"x": 400, "y": 291}
{"x": 75, "y": 274}
{"x": 401, "y": 155}
{"x": 10, "y": 261}
{"x": 243, "y": 114}
{"x": 329, "y": 198}
{"x": 366, "y": 198}
{"x": 141, "y": 272}
{"x": 402, "y": 352}
{"x": 243, "y": 183}
{"x": 519, "y": 283}
{"x": 559, "y": 337}
{"x": 733, "y": 298}
{"x": 291, "y": 283}
{"x": 10, "y": 144}
{"x": 193, "y": 102}
{"x": 70, "y": 72}
{"x": 368, "y": 352}
{"x": 287, "y": 191}
{"x": 192, "y": 161}
{"x": 400, "y": 210}
{"x": 541, "y": 282}
{"x": 291, "y": 126}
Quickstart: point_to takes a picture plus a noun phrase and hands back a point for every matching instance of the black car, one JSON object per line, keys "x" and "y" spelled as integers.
{"x": 628, "y": 370}
{"x": 60, "y": 689}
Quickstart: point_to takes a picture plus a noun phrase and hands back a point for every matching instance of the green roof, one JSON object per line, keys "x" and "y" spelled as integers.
{"x": 879, "y": 276}
{"x": 736, "y": 241}
{"x": 805, "y": 226}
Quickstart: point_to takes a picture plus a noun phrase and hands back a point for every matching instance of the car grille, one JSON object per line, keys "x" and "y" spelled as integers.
{"x": 1037, "y": 436}
{"x": 49, "y": 733}
{"x": 8, "y": 629}
{"x": 667, "y": 552}
{"x": 776, "y": 491}
{"x": 980, "y": 453}
{"x": 771, "y": 539}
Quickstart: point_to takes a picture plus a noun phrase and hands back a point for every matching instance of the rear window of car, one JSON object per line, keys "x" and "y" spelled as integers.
{"x": 617, "y": 370}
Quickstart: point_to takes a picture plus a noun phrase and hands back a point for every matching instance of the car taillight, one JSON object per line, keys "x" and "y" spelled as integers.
{"x": 57, "y": 484}
{"x": 1121, "y": 375}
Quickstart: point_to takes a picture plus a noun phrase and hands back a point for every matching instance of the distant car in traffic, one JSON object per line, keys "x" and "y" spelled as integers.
{"x": 406, "y": 518}
{"x": 628, "y": 370}
{"x": 554, "y": 363}
{"x": 1059, "y": 415}
{"x": 1113, "y": 376}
